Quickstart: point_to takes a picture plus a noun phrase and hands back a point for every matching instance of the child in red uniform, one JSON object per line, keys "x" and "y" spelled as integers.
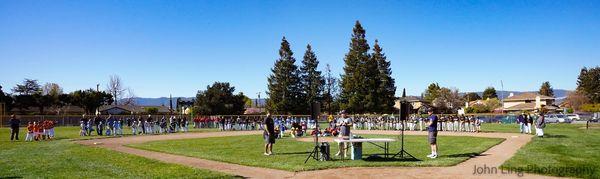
{"x": 43, "y": 129}
{"x": 36, "y": 133}
{"x": 40, "y": 131}
{"x": 29, "y": 136}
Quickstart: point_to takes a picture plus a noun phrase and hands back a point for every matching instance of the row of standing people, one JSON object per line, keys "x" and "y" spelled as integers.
{"x": 237, "y": 123}
{"x": 36, "y": 130}
{"x": 140, "y": 125}
{"x": 417, "y": 123}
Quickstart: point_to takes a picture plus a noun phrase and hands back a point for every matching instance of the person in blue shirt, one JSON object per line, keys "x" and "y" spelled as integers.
{"x": 432, "y": 130}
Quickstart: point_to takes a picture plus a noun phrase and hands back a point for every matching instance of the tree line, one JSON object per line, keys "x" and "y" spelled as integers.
{"x": 450, "y": 100}
{"x": 366, "y": 86}
{"x": 587, "y": 95}
{"x": 30, "y": 94}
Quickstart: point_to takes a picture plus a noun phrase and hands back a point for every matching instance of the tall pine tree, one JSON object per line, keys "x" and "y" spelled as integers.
{"x": 432, "y": 92}
{"x": 284, "y": 83}
{"x": 353, "y": 88}
{"x": 588, "y": 83}
{"x": 312, "y": 81}
{"x": 546, "y": 89}
{"x": 489, "y": 92}
{"x": 387, "y": 88}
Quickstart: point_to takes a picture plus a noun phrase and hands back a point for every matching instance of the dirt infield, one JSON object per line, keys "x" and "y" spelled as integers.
{"x": 492, "y": 158}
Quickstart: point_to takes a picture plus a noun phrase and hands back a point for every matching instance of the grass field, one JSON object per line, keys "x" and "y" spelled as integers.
{"x": 566, "y": 147}
{"x": 290, "y": 154}
{"x": 495, "y": 127}
{"x": 64, "y": 159}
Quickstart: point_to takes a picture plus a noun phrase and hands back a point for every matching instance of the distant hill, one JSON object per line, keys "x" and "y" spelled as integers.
{"x": 157, "y": 101}
{"x": 165, "y": 101}
{"x": 559, "y": 94}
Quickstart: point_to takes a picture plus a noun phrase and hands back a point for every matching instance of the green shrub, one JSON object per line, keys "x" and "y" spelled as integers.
{"x": 570, "y": 110}
{"x": 151, "y": 110}
{"x": 478, "y": 108}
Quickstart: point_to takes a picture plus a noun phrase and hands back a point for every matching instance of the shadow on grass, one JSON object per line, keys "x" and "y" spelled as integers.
{"x": 11, "y": 177}
{"x": 554, "y": 136}
{"x": 293, "y": 153}
{"x": 377, "y": 158}
{"x": 470, "y": 155}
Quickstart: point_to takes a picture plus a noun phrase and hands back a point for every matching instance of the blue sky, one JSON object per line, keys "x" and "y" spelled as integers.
{"x": 178, "y": 47}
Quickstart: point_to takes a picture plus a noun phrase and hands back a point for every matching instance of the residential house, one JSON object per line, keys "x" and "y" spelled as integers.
{"x": 528, "y": 102}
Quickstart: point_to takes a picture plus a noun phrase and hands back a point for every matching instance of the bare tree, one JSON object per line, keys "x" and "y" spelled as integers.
{"x": 52, "y": 89}
{"x": 115, "y": 88}
{"x": 331, "y": 88}
{"x": 129, "y": 97}
{"x": 54, "y": 93}
{"x": 575, "y": 99}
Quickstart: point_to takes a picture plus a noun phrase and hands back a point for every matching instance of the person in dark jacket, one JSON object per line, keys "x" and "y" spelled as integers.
{"x": 14, "y": 127}
{"x": 540, "y": 124}
{"x": 99, "y": 124}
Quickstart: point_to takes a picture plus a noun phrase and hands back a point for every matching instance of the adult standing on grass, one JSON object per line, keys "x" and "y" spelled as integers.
{"x": 14, "y": 127}
{"x": 344, "y": 123}
{"x": 529, "y": 121}
{"x": 99, "y": 124}
{"x": 540, "y": 124}
{"x": 269, "y": 134}
{"x": 432, "y": 130}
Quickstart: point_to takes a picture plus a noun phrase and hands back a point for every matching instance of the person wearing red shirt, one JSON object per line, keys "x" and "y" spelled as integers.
{"x": 29, "y": 136}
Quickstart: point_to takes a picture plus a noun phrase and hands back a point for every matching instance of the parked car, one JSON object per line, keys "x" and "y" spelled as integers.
{"x": 595, "y": 117}
{"x": 574, "y": 117}
{"x": 556, "y": 118}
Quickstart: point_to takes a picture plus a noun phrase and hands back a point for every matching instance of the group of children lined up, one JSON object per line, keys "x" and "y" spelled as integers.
{"x": 40, "y": 130}
{"x": 459, "y": 123}
{"x": 228, "y": 123}
{"x": 416, "y": 123}
{"x": 296, "y": 125}
{"x": 160, "y": 126}
{"x": 140, "y": 125}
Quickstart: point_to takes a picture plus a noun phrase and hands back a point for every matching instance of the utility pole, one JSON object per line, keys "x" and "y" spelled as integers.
{"x": 170, "y": 104}
{"x": 502, "y": 95}
{"x": 258, "y": 103}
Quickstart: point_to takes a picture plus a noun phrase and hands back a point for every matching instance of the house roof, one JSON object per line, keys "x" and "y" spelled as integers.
{"x": 136, "y": 109}
{"x": 124, "y": 107}
{"x": 479, "y": 101}
{"x": 527, "y": 96}
{"x": 414, "y": 99}
{"x": 528, "y": 107}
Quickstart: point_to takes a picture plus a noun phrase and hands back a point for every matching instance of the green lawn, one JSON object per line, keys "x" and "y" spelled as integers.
{"x": 565, "y": 145}
{"x": 495, "y": 127}
{"x": 290, "y": 154}
{"x": 65, "y": 159}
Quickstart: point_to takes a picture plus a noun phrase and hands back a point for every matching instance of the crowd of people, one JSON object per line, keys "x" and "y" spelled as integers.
{"x": 454, "y": 123}
{"x": 139, "y": 125}
{"x": 228, "y": 123}
{"x": 294, "y": 126}
{"x": 36, "y": 130}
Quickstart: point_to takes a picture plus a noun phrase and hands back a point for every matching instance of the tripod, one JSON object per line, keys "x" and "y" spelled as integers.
{"x": 404, "y": 111}
{"x": 317, "y": 149}
{"x": 314, "y": 111}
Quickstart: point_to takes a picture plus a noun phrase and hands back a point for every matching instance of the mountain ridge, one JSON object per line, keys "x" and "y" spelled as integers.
{"x": 559, "y": 94}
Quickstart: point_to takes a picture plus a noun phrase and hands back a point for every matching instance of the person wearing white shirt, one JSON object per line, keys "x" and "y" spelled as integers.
{"x": 344, "y": 123}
